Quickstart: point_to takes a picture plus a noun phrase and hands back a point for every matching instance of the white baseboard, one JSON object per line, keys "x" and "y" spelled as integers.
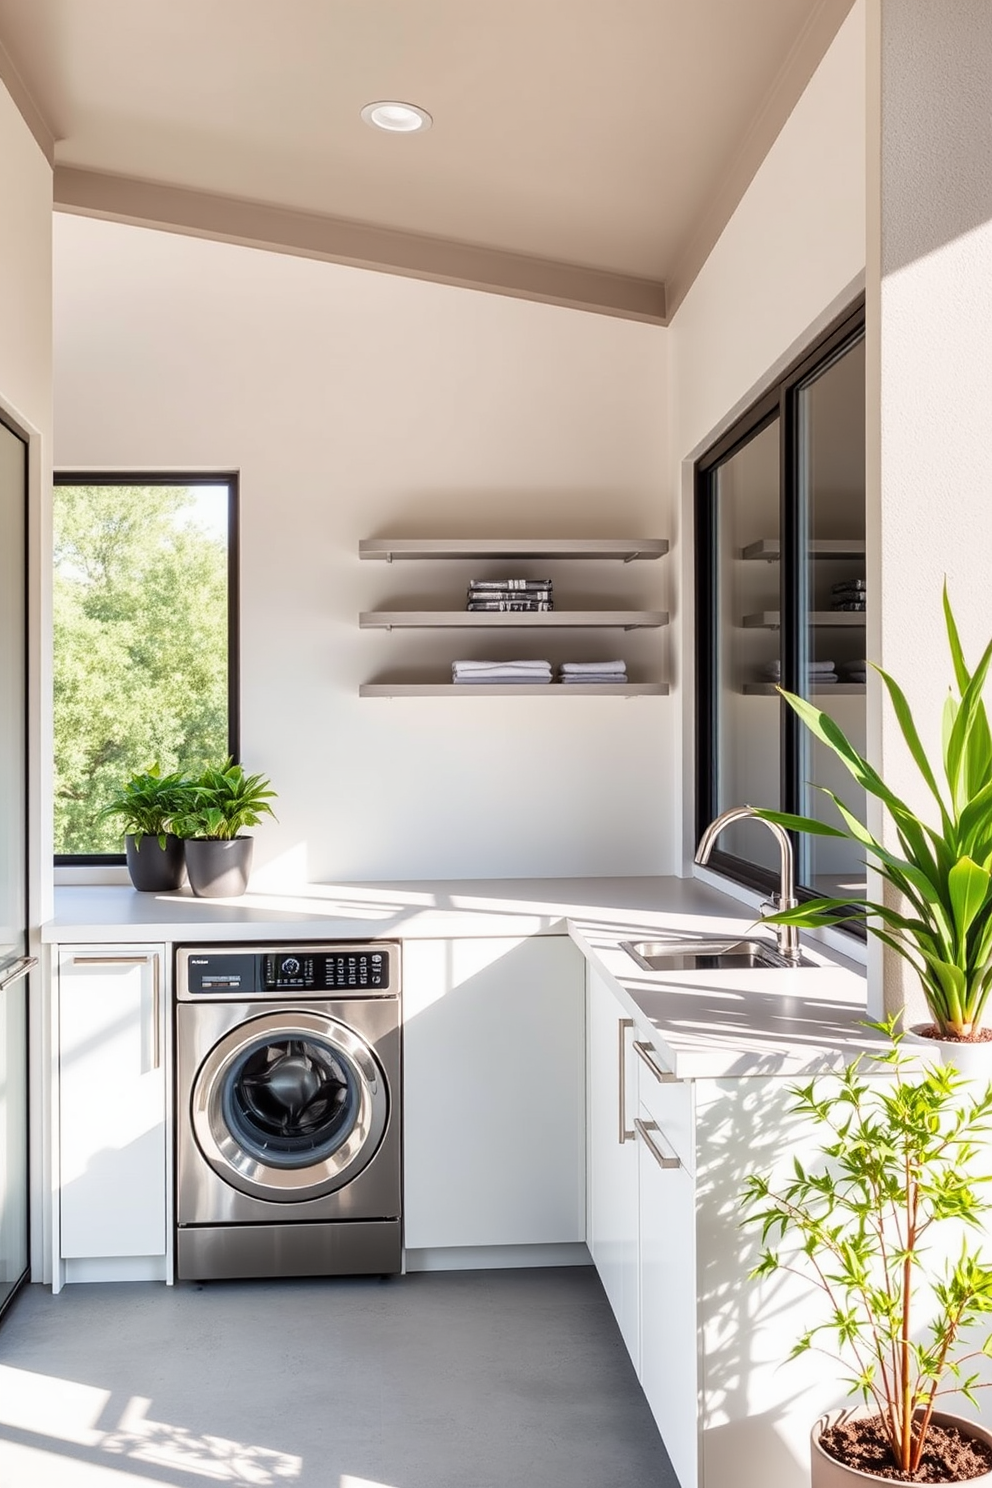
{"x": 496, "y": 1257}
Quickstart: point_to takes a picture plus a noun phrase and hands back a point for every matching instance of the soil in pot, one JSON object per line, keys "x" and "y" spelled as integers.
{"x": 154, "y": 869}
{"x": 951, "y": 1456}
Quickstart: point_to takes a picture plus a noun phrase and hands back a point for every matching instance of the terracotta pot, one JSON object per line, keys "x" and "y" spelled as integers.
{"x": 154, "y": 869}
{"x": 827, "y": 1472}
{"x": 973, "y": 1060}
{"x": 218, "y": 869}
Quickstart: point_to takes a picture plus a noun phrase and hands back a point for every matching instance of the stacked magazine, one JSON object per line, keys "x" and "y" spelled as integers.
{"x": 509, "y": 595}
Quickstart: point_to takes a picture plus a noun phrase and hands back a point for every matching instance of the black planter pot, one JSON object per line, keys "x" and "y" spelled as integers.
{"x": 154, "y": 869}
{"x": 218, "y": 869}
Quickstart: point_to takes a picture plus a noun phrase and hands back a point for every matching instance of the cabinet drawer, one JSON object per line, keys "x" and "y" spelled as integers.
{"x": 667, "y": 1102}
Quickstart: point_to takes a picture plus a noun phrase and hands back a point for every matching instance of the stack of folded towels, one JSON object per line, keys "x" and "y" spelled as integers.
{"x": 476, "y": 672}
{"x": 512, "y": 595}
{"x": 592, "y": 671}
{"x": 854, "y": 671}
{"x": 820, "y": 672}
{"x": 849, "y": 594}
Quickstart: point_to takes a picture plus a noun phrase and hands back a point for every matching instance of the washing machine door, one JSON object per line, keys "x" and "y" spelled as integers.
{"x": 289, "y": 1106}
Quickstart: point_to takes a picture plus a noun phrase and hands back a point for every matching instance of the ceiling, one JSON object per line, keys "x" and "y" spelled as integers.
{"x": 586, "y": 152}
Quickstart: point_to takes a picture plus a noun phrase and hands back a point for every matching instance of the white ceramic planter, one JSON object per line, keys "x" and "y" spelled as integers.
{"x": 973, "y": 1060}
{"x": 827, "y": 1472}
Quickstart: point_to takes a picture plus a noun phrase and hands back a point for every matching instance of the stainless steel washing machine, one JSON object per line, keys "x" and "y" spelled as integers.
{"x": 288, "y": 1102}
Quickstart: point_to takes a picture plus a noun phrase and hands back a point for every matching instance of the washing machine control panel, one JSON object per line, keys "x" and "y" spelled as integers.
{"x": 327, "y": 970}
{"x": 370, "y": 969}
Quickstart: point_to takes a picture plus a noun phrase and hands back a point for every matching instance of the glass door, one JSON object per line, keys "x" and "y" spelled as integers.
{"x": 13, "y": 864}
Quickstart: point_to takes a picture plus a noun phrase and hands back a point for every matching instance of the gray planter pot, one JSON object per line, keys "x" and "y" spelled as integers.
{"x": 154, "y": 869}
{"x": 218, "y": 870}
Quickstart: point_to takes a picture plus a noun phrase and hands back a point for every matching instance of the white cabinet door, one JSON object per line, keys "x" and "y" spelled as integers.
{"x": 493, "y": 1092}
{"x": 112, "y": 1133}
{"x": 612, "y": 1101}
{"x": 667, "y": 1259}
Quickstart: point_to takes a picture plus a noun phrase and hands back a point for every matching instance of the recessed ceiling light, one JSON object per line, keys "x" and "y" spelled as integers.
{"x": 398, "y": 118}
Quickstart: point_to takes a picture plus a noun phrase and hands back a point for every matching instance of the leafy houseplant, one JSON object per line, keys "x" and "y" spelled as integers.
{"x": 223, "y": 801}
{"x": 943, "y": 924}
{"x": 892, "y": 1166}
{"x": 148, "y": 804}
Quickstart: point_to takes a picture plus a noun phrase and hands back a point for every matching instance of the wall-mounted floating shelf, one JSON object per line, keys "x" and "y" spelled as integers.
{"x": 839, "y": 689}
{"x": 512, "y": 689}
{"x": 510, "y": 550}
{"x": 623, "y": 549}
{"x": 825, "y": 619}
{"x": 769, "y": 549}
{"x": 514, "y": 620}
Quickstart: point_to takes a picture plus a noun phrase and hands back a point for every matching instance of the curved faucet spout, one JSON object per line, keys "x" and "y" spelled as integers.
{"x": 787, "y": 935}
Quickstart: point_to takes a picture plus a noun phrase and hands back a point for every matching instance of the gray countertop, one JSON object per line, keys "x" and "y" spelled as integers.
{"x": 702, "y": 1024}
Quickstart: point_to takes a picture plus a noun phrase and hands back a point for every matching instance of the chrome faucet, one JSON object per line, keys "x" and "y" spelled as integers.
{"x": 787, "y": 935}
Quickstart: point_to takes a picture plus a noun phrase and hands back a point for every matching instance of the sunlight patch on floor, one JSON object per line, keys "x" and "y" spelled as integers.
{"x": 68, "y": 1412}
{"x": 348, "y": 1481}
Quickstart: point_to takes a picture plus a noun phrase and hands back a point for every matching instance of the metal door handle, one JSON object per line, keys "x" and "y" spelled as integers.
{"x": 20, "y": 968}
{"x": 622, "y": 1025}
{"x": 111, "y": 960}
{"x": 644, "y": 1128}
{"x": 663, "y": 1076}
{"x": 156, "y": 1037}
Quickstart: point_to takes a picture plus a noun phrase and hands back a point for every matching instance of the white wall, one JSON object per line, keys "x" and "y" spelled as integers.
{"x": 930, "y": 291}
{"x": 356, "y": 404}
{"x": 790, "y": 259}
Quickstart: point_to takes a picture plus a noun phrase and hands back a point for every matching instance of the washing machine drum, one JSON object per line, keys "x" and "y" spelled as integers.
{"x": 289, "y": 1106}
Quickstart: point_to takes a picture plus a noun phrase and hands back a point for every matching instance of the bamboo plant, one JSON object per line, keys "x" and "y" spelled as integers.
{"x": 942, "y": 874}
{"x": 858, "y": 1223}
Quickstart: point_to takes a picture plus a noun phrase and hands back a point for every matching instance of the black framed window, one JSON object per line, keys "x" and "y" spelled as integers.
{"x": 781, "y": 598}
{"x": 145, "y": 639}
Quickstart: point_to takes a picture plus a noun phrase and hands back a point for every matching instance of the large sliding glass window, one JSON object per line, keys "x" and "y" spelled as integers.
{"x": 145, "y": 614}
{"x": 781, "y": 599}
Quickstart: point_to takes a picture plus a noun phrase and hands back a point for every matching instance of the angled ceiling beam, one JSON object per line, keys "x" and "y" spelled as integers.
{"x": 231, "y": 220}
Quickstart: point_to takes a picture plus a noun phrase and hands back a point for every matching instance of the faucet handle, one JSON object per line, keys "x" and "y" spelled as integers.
{"x": 774, "y": 903}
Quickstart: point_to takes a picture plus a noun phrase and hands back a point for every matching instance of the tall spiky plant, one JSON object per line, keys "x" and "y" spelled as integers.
{"x": 942, "y": 924}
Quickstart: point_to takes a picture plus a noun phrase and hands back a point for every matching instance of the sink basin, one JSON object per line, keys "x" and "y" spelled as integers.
{"x": 729, "y": 954}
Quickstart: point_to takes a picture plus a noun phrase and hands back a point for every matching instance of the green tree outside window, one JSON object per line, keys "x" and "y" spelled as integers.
{"x": 140, "y": 617}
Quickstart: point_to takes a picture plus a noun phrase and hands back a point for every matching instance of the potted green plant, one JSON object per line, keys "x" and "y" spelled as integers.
{"x": 893, "y": 1161}
{"x": 223, "y": 801}
{"x": 942, "y": 874}
{"x": 148, "y": 804}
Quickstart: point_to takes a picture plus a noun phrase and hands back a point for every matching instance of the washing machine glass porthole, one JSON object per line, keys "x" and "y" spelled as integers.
{"x": 292, "y": 1101}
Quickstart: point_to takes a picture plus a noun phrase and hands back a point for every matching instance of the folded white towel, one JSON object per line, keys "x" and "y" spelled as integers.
{"x": 587, "y": 677}
{"x": 518, "y": 679}
{"x": 578, "y": 668}
{"x": 464, "y": 668}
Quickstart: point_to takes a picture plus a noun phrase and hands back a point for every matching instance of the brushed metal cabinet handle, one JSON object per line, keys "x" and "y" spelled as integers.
{"x": 644, "y": 1129}
{"x": 111, "y": 960}
{"x": 20, "y": 968}
{"x": 622, "y": 1025}
{"x": 663, "y": 1076}
{"x": 156, "y": 1010}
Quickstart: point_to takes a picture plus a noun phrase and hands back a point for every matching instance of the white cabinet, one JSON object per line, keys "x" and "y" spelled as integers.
{"x": 667, "y": 1265}
{"x": 667, "y": 1162}
{"x": 494, "y": 1095}
{"x": 612, "y": 1163}
{"x": 112, "y": 1148}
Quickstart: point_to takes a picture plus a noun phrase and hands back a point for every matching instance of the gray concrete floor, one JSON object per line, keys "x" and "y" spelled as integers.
{"x": 466, "y": 1379}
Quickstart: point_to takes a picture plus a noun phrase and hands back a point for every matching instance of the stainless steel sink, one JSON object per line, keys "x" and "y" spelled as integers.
{"x": 729, "y": 954}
